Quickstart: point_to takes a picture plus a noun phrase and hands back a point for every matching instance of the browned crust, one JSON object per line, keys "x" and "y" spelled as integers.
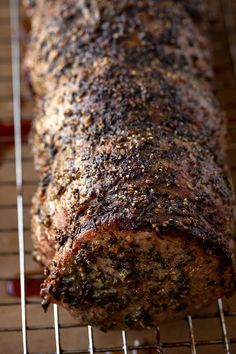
{"x": 128, "y": 132}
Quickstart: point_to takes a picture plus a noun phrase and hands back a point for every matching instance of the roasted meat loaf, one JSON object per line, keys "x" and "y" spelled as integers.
{"x": 132, "y": 218}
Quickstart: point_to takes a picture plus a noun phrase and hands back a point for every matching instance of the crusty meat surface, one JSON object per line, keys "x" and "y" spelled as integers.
{"x": 133, "y": 214}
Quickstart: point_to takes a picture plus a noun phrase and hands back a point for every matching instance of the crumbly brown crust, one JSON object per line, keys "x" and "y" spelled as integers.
{"x": 128, "y": 137}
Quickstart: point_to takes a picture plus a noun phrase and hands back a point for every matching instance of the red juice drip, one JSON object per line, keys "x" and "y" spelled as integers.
{"x": 7, "y": 131}
{"x": 32, "y": 287}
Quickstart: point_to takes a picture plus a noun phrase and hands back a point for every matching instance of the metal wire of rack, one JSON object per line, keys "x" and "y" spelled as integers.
{"x": 14, "y": 206}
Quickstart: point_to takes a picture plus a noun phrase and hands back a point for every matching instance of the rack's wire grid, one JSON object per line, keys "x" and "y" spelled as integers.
{"x": 23, "y": 326}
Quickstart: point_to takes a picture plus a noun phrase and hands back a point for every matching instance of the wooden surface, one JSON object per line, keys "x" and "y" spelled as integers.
{"x": 40, "y": 326}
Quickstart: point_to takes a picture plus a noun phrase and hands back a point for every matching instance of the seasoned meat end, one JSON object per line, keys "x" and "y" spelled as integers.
{"x": 114, "y": 279}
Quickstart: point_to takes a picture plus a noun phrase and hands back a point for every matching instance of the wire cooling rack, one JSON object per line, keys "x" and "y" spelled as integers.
{"x": 24, "y": 328}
